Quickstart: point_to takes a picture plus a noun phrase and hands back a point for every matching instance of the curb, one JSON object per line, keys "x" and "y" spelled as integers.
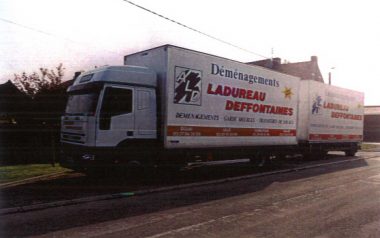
{"x": 42, "y": 206}
{"x": 30, "y": 180}
{"x": 370, "y": 150}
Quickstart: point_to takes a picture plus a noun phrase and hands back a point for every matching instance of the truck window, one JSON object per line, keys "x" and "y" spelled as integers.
{"x": 143, "y": 99}
{"x": 82, "y": 103}
{"x": 116, "y": 101}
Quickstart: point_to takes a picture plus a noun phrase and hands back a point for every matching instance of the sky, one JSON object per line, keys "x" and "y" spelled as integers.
{"x": 82, "y": 34}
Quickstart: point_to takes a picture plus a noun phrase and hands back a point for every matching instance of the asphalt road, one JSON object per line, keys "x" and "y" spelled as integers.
{"x": 339, "y": 200}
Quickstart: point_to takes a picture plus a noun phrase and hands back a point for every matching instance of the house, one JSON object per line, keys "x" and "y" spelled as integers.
{"x": 308, "y": 70}
{"x": 372, "y": 124}
{"x": 15, "y": 112}
{"x": 14, "y": 104}
{"x": 28, "y": 123}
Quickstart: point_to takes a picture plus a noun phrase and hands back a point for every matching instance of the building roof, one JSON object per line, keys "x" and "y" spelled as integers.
{"x": 371, "y": 110}
{"x": 66, "y": 84}
{"x": 12, "y": 100}
{"x": 9, "y": 88}
{"x": 308, "y": 70}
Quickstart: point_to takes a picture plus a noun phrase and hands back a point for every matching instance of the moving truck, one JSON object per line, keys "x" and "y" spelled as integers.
{"x": 175, "y": 106}
{"x": 330, "y": 118}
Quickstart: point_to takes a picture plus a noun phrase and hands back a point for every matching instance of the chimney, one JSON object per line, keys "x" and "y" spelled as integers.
{"x": 276, "y": 62}
{"x": 314, "y": 59}
{"x": 76, "y": 74}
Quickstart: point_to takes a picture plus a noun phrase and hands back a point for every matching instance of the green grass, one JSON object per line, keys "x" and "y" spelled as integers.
{"x": 20, "y": 172}
{"x": 366, "y": 146}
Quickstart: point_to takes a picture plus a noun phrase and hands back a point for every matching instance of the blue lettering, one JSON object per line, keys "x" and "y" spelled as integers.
{"x": 214, "y": 69}
{"x": 236, "y": 74}
{"x": 222, "y": 71}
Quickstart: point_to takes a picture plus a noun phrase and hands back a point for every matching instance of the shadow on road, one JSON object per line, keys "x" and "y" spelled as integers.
{"x": 40, "y": 222}
{"x": 77, "y": 185}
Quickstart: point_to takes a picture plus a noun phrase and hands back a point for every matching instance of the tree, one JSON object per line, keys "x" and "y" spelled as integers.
{"x": 33, "y": 83}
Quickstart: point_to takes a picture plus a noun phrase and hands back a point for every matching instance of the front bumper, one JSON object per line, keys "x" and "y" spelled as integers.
{"x": 80, "y": 158}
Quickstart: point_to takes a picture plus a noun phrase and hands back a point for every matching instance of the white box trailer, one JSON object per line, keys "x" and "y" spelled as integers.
{"x": 330, "y": 117}
{"x": 177, "y": 105}
{"x": 329, "y": 113}
{"x": 208, "y": 101}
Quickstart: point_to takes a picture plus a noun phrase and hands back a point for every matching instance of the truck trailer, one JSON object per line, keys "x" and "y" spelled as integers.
{"x": 173, "y": 106}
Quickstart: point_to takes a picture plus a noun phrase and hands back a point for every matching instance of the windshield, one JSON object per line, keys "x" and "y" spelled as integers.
{"x": 82, "y": 103}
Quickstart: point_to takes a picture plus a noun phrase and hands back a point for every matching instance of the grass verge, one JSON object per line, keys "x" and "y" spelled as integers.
{"x": 370, "y": 146}
{"x": 20, "y": 172}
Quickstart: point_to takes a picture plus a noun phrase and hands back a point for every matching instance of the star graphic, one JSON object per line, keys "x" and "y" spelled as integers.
{"x": 287, "y": 92}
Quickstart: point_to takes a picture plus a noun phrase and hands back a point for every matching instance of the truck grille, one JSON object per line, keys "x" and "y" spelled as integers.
{"x": 73, "y": 137}
{"x": 73, "y": 129}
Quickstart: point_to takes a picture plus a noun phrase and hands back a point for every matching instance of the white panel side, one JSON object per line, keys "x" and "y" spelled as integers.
{"x": 215, "y": 102}
{"x": 157, "y": 60}
{"x": 336, "y": 114}
{"x": 303, "y": 111}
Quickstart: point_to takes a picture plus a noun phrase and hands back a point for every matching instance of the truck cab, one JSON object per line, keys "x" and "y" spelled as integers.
{"x": 108, "y": 107}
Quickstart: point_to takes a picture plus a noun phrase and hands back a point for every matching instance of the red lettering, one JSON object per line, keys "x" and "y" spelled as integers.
{"x": 280, "y": 110}
{"x": 244, "y": 106}
{"x": 235, "y": 92}
{"x": 209, "y": 89}
{"x": 227, "y": 91}
{"x": 250, "y": 107}
{"x": 237, "y": 106}
{"x": 249, "y": 94}
{"x": 262, "y": 108}
{"x": 346, "y": 116}
{"x": 242, "y": 93}
{"x": 272, "y": 110}
{"x": 256, "y": 96}
{"x": 219, "y": 90}
{"x": 262, "y": 96}
{"x": 229, "y": 105}
{"x": 335, "y": 106}
{"x": 256, "y": 107}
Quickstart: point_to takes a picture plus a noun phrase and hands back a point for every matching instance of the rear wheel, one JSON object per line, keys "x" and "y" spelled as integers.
{"x": 350, "y": 152}
{"x": 259, "y": 160}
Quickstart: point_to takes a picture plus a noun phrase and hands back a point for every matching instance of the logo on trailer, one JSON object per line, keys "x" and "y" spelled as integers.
{"x": 187, "y": 86}
{"x": 317, "y": 105}
{"x": 287, "y": 93}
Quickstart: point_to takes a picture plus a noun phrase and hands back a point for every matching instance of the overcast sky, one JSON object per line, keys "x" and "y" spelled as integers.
{"x": 345, "y": 35}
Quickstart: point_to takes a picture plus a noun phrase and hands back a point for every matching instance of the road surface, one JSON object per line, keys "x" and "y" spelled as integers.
{"x": 338, "y": 200}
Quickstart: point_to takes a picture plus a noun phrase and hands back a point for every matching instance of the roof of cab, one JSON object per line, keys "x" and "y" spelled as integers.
{"x": 124, "y": 74}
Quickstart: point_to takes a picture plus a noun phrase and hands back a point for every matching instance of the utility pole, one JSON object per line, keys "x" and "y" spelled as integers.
{"x": 330, "y": 75}
{"x": 329, "y": 78}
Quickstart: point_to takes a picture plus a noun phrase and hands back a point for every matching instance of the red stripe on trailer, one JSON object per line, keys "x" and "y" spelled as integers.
{"x": 226, "y": 131}
{"x": 334, "y": 137}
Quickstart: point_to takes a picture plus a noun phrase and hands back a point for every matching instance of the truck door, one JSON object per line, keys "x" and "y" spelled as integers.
{"x": 116, "y": 120}
{"x": 145, "y": 113}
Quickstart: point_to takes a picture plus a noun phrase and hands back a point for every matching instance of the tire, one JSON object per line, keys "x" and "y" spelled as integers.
{"x": 259, "y": 160}
{"x": 350, "y": 152}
